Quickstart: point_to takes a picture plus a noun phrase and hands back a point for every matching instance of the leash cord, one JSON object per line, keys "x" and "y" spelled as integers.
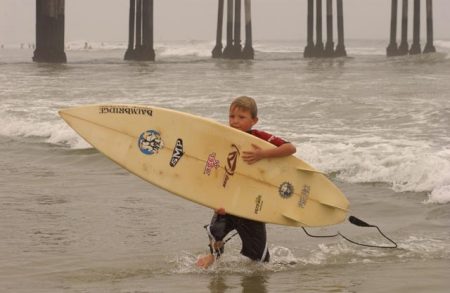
{"x": 360, "y": 223}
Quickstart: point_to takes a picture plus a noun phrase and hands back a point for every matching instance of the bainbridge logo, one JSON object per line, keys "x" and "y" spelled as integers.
{"x": 126, "y": 110}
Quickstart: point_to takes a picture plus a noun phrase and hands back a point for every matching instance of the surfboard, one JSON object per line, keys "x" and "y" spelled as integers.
{"x": 200, "y": 160}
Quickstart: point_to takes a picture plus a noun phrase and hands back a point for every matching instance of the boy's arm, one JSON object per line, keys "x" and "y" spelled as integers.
{"x": 258, "y": 153}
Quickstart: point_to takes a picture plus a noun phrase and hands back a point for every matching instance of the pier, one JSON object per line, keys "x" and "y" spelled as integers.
{"x": 392, "y": 49}
{"x": 50, "y": 28}
{"x": 50, "y": 31}
{"x": 233, "y": 48}
{"x": 317, "y": 49}
{"x": 140, "y": 31}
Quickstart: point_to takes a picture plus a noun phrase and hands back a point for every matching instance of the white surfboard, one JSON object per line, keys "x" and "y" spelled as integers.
{"x": 200, "y": 160}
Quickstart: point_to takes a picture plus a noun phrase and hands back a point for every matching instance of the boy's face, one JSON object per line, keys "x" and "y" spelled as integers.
{"x": 241, "y": 119}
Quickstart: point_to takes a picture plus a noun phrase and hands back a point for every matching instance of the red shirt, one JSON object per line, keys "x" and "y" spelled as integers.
{"x": 267, "y": 137}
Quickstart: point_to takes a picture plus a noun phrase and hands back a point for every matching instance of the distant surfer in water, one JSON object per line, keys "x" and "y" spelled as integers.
{"x": 243, "y": 115}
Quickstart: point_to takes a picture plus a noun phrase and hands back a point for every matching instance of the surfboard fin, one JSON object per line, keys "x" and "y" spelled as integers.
{"x": 292, "y": 218}
{"x": 307, "y": 169}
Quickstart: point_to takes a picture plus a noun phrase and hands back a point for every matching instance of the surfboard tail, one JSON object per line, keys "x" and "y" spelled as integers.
{"x": 334, "y": 216}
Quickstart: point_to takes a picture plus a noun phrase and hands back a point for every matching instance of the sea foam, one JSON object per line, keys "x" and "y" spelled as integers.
{"x": 405, "y": 166}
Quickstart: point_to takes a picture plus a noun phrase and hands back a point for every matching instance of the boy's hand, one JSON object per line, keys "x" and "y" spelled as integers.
{"x": 253, "y": 156}
{"x": 205, "y": 261}
{"x": 220, "y": 211}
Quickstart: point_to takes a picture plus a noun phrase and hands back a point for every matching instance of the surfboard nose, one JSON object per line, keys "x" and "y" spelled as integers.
{"x": 62, "y": 113}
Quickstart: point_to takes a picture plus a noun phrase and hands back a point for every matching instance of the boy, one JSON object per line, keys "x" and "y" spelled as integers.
{"x": 243, "y": 115}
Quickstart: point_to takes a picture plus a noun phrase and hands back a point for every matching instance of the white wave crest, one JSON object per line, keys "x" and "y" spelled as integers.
{"x": 440, "y": 194}
{"x": 443, "y": 43}
{"x": 404, "y": 165}
{"x": 52, "y": 131}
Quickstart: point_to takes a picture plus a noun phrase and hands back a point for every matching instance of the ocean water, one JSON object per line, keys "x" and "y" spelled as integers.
{"x": 73, "y": 221}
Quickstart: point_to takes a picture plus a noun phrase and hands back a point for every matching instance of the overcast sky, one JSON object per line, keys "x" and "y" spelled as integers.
{"x": 107, "y": 20}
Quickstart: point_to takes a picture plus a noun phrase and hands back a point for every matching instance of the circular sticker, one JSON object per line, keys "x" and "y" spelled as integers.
{"x": 150, "y": 142}
{"x": 286, "y": 190}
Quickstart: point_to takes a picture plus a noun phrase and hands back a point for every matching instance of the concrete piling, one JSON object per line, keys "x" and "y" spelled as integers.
{"x": 237, "y": 47}
{"x": 329, "y": 46}
{"x": 217, "y": 51}
{"x": 415, "y": 47}
{"x": 429, "y": 47}
{"x": 50, "y": 31}
{"x": 319, "y": 48}
{"x": 309, "y": 49}
{"x": 138, "y": 27}
{"x": 391, "y": 50}
{"x": 129, "y": 54}
{"x": 248, "y": 52}
{"x": 403, "y": 48}
{"x": 227, "y": 52}
{"x": 140, "y": 39}
{"x": 147, "y": 51}
{"x": 340, "y": 47}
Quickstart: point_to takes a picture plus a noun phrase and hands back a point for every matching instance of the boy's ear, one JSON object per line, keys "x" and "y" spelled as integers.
{"x": 255, "y": 120}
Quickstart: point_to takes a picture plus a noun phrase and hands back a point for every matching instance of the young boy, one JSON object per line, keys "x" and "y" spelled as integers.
{"x": 243, "y": 115}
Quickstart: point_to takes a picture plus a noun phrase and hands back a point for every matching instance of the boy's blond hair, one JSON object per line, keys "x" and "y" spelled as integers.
{"x": 246, "y": 103}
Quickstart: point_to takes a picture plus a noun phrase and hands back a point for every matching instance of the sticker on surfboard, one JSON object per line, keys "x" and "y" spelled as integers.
{"x": 150, "y": 142}
{"x": 286, "y": 190}
{"x": 230, "y": 168}
{"x": 304, "y": 195}
{"x": 177, "y": 153}
{"x": 211, "y": 163}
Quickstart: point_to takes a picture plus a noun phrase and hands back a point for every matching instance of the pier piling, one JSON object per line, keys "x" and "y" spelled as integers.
{"x": 415, "y": 47}
{"x": 140, "y": 39}
{"x": 391, "y": 50}
{"x": 147, "y": 53}
{"x": 403, "y": 48}
{"x": 237, "y": 47}
{"x": 227, "y": 52}
{"x": 329, "y": 46}
{"x": 248, "y": 52}
{"x": 340, "y": 47}
{"x": 429, "y": 47}
{"x": 138, "y": 44}
{"x": 129, "y": 54}
{"x": 217, "y": 51}
{"x": 50, "y": 31}
{"x": 319, "y": 48}
{"x": 309, "y": 49}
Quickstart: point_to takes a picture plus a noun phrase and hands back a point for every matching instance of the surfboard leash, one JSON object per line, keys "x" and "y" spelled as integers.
{"x": 218, "y": 252}
{"x": 357, "y": 222}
